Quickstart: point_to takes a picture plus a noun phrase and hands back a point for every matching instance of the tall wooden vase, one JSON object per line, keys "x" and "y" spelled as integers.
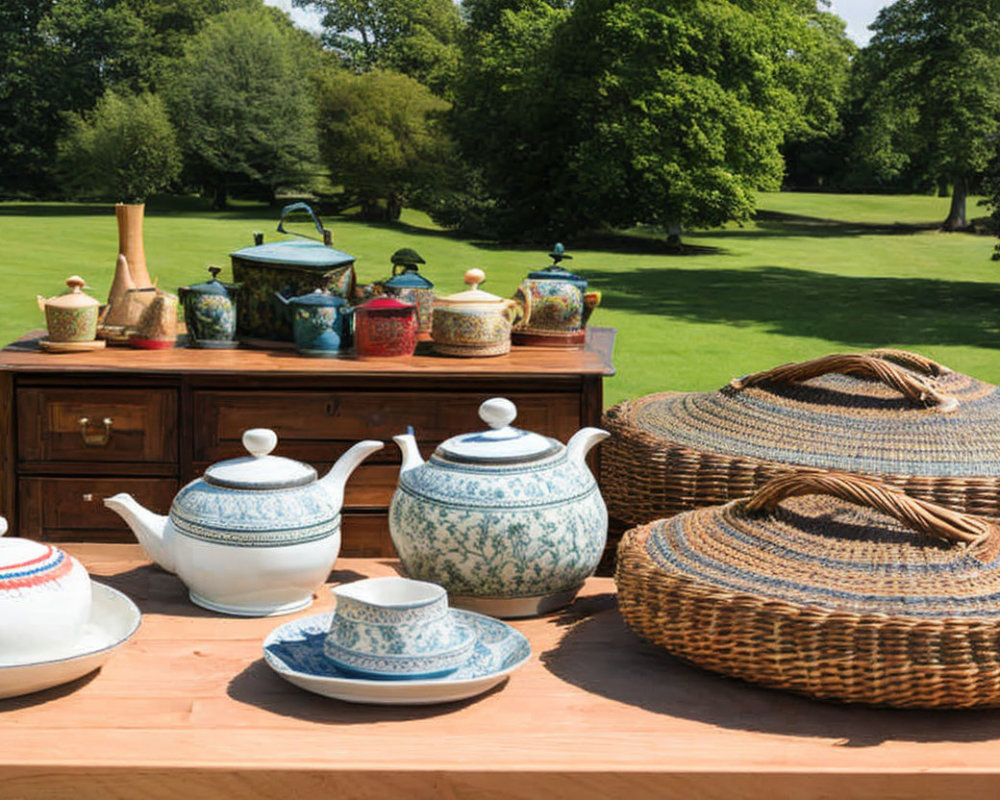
{"x": 130, "y": 241}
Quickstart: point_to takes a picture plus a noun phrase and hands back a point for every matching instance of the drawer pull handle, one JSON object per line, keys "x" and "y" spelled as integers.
{"x": 88, "y": 498}
{"x": 98, "y": 438}
{"x": 332, "y": 407}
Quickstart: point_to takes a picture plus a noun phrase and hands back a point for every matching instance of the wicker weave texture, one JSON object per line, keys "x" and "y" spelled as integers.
{"x": 671, "y": 452}
{"x": 828, "y": 610}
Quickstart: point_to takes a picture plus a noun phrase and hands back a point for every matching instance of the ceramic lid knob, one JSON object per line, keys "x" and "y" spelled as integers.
{"x": 3, "y": 525}
{"x": 474, "y": 277}
{"x": 497, "y": 412}
{"x": 260, "y": 441}
{"x": 76, "y": 283}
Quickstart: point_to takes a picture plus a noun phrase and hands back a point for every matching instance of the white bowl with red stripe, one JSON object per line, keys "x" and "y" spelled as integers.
{"x": 45, "y": 600}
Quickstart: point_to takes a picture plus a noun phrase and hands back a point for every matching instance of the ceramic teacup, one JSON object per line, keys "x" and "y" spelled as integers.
{"x": 396, "y": 628}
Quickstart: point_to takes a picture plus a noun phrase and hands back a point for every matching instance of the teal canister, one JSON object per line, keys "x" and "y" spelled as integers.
{"x": 409, "y": 286}
{"x": 209, "y": 312}
{"x": 321, "y": 323}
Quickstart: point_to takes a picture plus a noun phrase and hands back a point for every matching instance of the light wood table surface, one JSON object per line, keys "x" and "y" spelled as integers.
{"x": 188, "y": 708}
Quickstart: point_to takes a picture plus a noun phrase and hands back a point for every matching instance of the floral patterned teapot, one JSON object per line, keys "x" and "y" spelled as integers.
{"x": 560, "y": 306}
{"x": 510, "y": 522}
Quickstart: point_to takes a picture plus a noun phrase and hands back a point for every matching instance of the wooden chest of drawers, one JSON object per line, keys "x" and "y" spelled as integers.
{"x": 77, "y": 428}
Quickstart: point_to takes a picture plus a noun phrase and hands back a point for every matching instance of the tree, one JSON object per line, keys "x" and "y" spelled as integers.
{"x": 931, "y": 77}
{"x": 57, "y": 57}
{"x": 242, "y": 103}
{"x": 123, "y": 150}
{"x": 416, "y": 37}
{"x": 617, "y": 112}
{"x": 381, "y": 137}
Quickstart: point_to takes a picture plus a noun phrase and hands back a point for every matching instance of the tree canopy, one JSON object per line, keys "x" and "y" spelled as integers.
{"x": 242, "y": 102}
{"x": 931, "y": 83}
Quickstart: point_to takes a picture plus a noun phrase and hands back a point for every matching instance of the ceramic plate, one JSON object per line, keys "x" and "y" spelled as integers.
{"x": 295, "y": 651}
{"x": 113, "y": 619}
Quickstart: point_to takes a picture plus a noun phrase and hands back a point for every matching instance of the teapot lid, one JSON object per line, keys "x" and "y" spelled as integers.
{"x": 502, "y": 443}
{"x": 75, "y": 297}
{"x": 385, "y": 304}
{"x": 260, "y": 470}
{"x": 554, "y": 272}
{"x": 25, "y": 563}
{"x": 211, "y": 286}
{"x": 318, "y": 297}
{"x": 473, "y": 294}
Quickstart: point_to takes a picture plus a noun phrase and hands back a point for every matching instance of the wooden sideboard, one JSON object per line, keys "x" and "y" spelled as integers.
{"x": 76, "y": 428}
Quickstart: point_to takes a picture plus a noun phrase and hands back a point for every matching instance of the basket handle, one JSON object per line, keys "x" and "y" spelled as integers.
{"x": 918, "y": 515}
{"x": 913, "y": 387}
{"x": 910, "y": 360}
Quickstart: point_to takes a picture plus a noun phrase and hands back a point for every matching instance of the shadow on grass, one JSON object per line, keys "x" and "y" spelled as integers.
{"x": 857, "y": 311}
{"x": 779, "y": 223}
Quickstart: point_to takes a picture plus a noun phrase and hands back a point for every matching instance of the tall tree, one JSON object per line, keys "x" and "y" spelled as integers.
{"x": 243, "y": 106}
{"x": 616, "y": 112}
{"x": 931, "y": 75}
{"x": 380, "y": 135}
{"x": 416, "y": 37}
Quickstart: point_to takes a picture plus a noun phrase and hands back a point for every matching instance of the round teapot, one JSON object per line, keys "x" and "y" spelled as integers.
{"x": 321, "y": 323}
{"x": 474, "y": 322}
{"x": 71, "y": 317}
{"x": 255, "y": 536}
{"x": 560, "y": 306}
{"x": 511, "y": 523}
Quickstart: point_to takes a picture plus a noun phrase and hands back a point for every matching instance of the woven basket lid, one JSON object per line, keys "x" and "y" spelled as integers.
{"x": 839, "y": 542}
{"x": 885, "y": 411}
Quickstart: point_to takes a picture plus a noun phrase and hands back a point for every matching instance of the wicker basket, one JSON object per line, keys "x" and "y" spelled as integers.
{"x": 892, "y": 601}
{"x": 891, "y": 414}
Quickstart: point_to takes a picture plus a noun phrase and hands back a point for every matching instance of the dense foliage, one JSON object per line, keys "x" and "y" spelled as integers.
{"x": 123, "y": 150}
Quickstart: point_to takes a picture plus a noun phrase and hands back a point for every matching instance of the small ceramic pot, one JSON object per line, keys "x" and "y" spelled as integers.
{"x": 321, "y": 323}
{"x": 71, "y": 317}
{"x": 396, "y": 628}
{"x": 45, "y": 598}
{"x": 385, "y": 327}
{"x": 409, "y": 286}
{"x": 157, "y": 327}
{"x": 474, "y": 322}
{"x": 560, "y": 306}
{"x": 209, "y": 312}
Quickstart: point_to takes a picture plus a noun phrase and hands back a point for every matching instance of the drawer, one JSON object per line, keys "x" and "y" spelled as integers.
{"x": 131, "y": 426}
{"x": 317, "y": 427}
{"x": 60, "y": 509}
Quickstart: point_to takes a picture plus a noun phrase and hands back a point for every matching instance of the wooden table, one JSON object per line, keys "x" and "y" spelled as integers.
{"x": 189, "y": 709}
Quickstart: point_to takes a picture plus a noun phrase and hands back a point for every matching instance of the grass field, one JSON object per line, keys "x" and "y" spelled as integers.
{"x": 813, "y": 274}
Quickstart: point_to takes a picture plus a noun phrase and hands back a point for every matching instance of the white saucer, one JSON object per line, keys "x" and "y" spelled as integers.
{"x": 295, "y": 651}
{"x": 113, "y": 619}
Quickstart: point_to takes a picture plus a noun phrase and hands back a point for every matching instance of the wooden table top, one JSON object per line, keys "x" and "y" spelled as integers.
{"x": 188, "y": 708}
{"x": 594, "y": 359}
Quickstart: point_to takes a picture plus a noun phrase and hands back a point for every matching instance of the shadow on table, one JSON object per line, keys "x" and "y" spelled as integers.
{"x": 601, "y": 655}
{"x": 258, "y": 685}
{"x": 46, "y": 695}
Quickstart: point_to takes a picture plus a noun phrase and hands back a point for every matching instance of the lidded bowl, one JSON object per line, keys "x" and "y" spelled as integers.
{"x": 45, "y": 598}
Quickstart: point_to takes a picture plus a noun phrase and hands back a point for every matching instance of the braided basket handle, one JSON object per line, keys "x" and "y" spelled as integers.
{"x": 910, "y": 360}
{"x": 917, "y": 515}
{"x": 914, "y": 387}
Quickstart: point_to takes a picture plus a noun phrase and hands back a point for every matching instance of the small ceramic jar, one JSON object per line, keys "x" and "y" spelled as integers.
{"x": 560, "y": 306}
{"x": 209, "y": 312}
{"x": 474, "y": 322}
{"x": 71, "y": 317}
{"x": 321, "y": 323}
{"x": 385, "y": 327}
{"x": 396, "y": 628}
{"x": 408, "y": 285}
{"x": 157, "y": 326}
{"x": 45, "y": 598}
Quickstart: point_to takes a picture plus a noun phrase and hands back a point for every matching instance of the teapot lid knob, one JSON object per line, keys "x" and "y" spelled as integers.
{"x": 260, "y": 441}
{"x": 473, "y": 277}
{"x": 3, "y": 525}
{"x": 497, "y": 412}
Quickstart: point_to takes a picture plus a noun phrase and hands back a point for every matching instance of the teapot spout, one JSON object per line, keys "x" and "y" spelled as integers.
{"x": 581, "y": 442}
{"x": 335, "y": 480}
{"x": 407, "y": 443}
{"x": 149, "y": 528}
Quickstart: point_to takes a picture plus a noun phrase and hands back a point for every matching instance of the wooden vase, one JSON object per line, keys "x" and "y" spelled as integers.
{"x": 130, "y": 241}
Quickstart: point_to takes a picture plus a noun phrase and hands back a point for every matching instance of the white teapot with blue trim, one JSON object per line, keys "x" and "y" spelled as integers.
{"x": 510, "y": 522}
{"x": 255, "y": 536}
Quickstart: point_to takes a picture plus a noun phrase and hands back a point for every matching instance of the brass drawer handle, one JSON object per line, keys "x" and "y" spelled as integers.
{"x": 97, "y": 438}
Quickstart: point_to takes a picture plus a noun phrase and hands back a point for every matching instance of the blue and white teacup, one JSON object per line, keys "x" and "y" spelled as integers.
{"x": 396, "y": 628}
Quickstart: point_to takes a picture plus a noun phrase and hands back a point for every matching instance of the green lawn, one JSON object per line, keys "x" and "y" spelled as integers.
{"x": 814, "y": 274}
